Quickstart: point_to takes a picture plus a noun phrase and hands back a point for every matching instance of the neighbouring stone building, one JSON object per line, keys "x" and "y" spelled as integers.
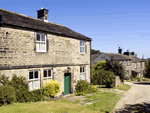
{"x": 40, "y": 50}
{"x": 132, "y": 65}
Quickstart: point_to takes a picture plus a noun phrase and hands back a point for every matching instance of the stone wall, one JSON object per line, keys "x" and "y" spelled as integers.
{"x": 58, "y": 75}
{"x": 117, "y": 81}
{"x": 17, "y": 47}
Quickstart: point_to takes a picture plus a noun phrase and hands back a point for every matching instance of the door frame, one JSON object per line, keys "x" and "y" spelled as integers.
{"x": 69, "y": 83}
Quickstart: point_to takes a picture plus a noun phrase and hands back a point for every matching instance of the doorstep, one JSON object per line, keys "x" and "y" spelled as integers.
{"x": 69, "y": 95}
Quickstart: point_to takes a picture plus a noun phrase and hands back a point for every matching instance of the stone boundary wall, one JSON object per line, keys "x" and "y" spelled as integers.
{"x": 117, "y": 81}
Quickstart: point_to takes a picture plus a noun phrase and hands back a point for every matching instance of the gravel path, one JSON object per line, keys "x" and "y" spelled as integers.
{"x": 139, "y": 93}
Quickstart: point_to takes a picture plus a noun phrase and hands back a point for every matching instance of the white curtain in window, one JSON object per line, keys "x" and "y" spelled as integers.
{"x": 42, "y": 46}
{"x": 31, "y": 85}
{"x": 36, "y": 84}
{"x": 82, "y": 76}
{"x": 37, "y": 46}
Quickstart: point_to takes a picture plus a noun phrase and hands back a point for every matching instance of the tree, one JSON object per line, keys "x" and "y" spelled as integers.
{"x": 115, "y": 67}
{"x": 95, "y": 51}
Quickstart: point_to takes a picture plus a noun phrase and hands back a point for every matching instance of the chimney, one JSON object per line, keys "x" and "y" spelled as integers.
{"x": 120, "y": 50}
{"x": 132, "y": 53}
{"x": 126, "y": 53}
{"x": 42, "y": 14}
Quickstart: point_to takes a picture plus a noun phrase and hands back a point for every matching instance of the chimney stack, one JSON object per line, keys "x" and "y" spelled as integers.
{"x": 120, "y": 50}
{"x": 42, "y": 14}
{"x": 132, "y": 53}
{"x": 126, "y": 53}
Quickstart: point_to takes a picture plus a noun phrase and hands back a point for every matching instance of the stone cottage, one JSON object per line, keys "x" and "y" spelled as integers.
{"x": 40, "y": 50}
{"x": 132, "y": 65}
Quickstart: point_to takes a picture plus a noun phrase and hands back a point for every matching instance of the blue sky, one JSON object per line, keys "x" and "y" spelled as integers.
{"x": 107, "y": 22}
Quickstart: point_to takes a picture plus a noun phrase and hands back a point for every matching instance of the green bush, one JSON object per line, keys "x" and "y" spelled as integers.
{"x": 138, "y": 79}
{"x": 103, "y": 77}
{"x": 37, "y": 95}
{"x": 4, "y": 80}
{"x": 82, "y": 87}
{"x": 93, "y": 89}
{"x": 7, "y": 94}
{"x": 51, "y": 88}
{"x": 115, "y": 67}
{"x": 21, "y": 88}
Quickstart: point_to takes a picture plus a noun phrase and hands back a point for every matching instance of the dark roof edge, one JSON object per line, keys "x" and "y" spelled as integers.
{"x": 1, "y": 20}
{"x": 87, "y": 39}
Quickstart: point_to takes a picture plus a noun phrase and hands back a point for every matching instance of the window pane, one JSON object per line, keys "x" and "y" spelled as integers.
{"x": 80, "y": 43}
{"x": 37, "y": 46}
{"x": 45, "y": 73}
{"x": 49, "y": 73}
{"x": 80, "y": 49}
{"x": 42, "y": 46}
{"x": 38, "y": 37}
{"x": 36, "y": 84}
{"x": 82, "y": 76}
{"x": 83, "y": 49}
{"x": 80, "y": 69}
{"x": 30, "y": 75}
{"x": 83, "y": 69}
{"x": 42, "y": 37}
{"x": 83, "y": 43}
{"x": 36, "y": 74}
{"x": 31, "y": 85}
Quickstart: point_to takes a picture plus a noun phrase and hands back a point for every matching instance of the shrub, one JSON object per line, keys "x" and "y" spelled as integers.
{"x": 21, "y": 88}
{"x": 93, "y": 89}
{"x": 82, "y": 87}
{"x": 103, "y": 77}
{"x": 7, "y": 94}
{"x": 37, "y": 95}
{"x": 138, "y": 79}
{"x": 51, "y": 88}
{"x": 4, "y": 80}
{"x": 146, "y": 79}
{"x": 115, "y": 67}
{"x": 109, "y": 79}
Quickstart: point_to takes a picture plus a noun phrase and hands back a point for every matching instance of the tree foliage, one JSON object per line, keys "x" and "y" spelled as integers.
{"x": 95, "y": 51}
{"x": 115, "y": 67}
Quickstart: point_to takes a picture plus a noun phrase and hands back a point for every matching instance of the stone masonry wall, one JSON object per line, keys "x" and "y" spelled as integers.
{"x": 58, "y": 75}
{"x": 17, "y": 48}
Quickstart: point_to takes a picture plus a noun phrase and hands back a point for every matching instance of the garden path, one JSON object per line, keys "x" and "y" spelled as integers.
{"x": 139, "y": 93}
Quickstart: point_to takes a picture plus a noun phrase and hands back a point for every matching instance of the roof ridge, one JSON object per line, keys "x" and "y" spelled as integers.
{"x": 29, "y": 17}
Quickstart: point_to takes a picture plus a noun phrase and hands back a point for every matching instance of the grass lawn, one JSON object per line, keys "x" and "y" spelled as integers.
{"x": 124, "y": 87}
{"x": 107, "y": 103}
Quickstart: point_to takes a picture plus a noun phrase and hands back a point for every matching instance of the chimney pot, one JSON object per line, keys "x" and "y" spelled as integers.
{"x": 42, "y": 14}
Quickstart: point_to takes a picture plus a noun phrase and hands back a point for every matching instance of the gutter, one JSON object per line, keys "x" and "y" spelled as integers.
{"x": 1, "y": 20}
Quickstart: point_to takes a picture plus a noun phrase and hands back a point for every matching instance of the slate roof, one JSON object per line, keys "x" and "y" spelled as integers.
{"x": 12, "y": 18}
{"x": 120, "y": 57}
{"x": 117, "y": 57}
{"x": 135, "y": 59}
{"x": 94, "y": 56}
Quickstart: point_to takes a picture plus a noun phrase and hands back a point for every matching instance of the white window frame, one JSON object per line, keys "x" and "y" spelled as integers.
{"x": 127, "y": 72}
{"x": 47, "y": 74}
{"x": 82, "y": 46}
{"x": 40, "y": 42}
{"x": 82, "y": 73}
{"x": 34, "y": 79}
{"x": 135, "y": 65}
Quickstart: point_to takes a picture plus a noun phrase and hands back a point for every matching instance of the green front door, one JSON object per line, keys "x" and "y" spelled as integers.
{"x": 67, "y": 83}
